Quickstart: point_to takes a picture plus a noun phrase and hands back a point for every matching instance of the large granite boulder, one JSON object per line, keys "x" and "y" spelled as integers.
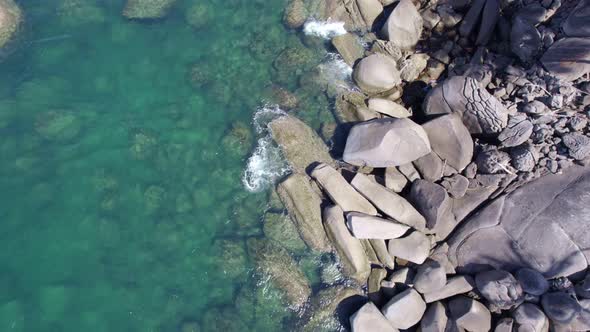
{"x": 450, "y": 140}
{"x": 542, "y": 225}
{"x": 369, "y": 318}
{"x": 376, "y": 73}
{"x": 432, "y": 201}
{"x": 300, "y": 144}
{"x": 304, "y": 207}
{"x": 385, "y": 143}
{"x": 529, "y": 317}
{"x": 568, "y": 59}
{"x": 405, "y": 309}
{"x": 147, "y": 9}
{"x": 480, "y": 111}
{"x": 363, "y": 226}
{"x": 10, "y": 20}
{"x": 357, "y": 15}
{"x": 403, "y": 26}
{"x": 470, "y": 314}
{"x": 577, "y": 23}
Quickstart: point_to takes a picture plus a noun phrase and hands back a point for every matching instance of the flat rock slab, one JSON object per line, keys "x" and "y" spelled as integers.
{"x": 568, "y": 59}
{"x": 479, "y": 110}
{"x": 543, "y": 225}
{"x": 369, "y": 318}
{"x": 364, "y": 226}
{"x": 385, "y": 143}
{"x": 405, "y": 309}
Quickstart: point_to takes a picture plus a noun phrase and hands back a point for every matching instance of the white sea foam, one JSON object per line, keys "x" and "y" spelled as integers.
{"x": 266, "y": 164}
{"x": 324, "y": 29}
{"x": 337, "y": 72}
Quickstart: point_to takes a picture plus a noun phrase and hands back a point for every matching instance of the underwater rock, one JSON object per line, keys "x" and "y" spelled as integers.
{"x": 58, "y": 126}
{"x": 325, "y": 304}
{"x": 147, "y": 9}
{"x": 279, "y": 228}
{"x": 238, "y": 141}
{"x": 295, "y": 14}
{"x": 75, "y": 12}
{"x": 144, "y": 144}
{"x": 10, "y": 20}
{"x": 154, "y": 196}
{"x": 233, "y": 260}
{"x": 198, "y": 15}
{"x": 199, "y": 74}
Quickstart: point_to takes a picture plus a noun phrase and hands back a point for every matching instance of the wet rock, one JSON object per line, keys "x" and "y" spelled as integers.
{"x": 304, "y": 207}
{"x": 529, "y": 317}
{"x": 492, "y": 161}
{"x": 349, "y": 47}
{"x": 363, "y": 226}
{"x": 501, "y": 236}
{"x": 385, "y": 143}
{"x": 405, "y": 309}
{"x": 414, "y": 247}
{"x": 295, "y": 14}
{"x": 233, "y": 259}
{"x": 578, "y": 145}
{"x": 340, "y": 192}
{"x": 431, "y": 200}
{"x": 279, "y": 228}
{"x": 325, "y": 304}
{"x": 350, "y": 107}
{"x": 388, "y": 202}
{"x": 517, "y": 132}
{"x": 525, "y": 40}
{"x": 300, "y": 144}
{"x": 60, "y": 126}
{"x": 10, "y": 20}
{"x": 500, "y": 288}
{"x": 532, "y": 281}
{"x": 403, "y": 26}
{"x": 524, "y": 157}
{"x": 369, "y": 318}
{"x": 568, "y": 58}
{"x": 576, "y": 24}
{"x": 376, "y": 73}
{"x": 470, "y": 314}
{"x": 479, "y": 111}
{"x": 352, "y": 254}
{"x": 435, "y": 318}
{"x": 238, "y": 140}
{"x": 147, "y": 9}
{"x": 275, "y": 262}
{"x": 560, "y": 307}
{"x": 395, "y": 180}
{"x": 456, "y": 185}
{"x": 388, "y": 107}
{"x": 430, "y": 277}
{"x": 450, "y": 140}
{"x": 455, "y": 286}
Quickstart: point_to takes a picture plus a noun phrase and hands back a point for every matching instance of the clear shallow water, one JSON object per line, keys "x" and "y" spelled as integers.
{"x": 123, "y": 207}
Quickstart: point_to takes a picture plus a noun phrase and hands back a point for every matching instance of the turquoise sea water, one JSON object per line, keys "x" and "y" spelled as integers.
{"x": 122, "y": 206}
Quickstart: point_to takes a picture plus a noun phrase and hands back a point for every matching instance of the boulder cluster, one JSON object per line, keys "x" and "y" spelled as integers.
{"x": 458, "y": 200}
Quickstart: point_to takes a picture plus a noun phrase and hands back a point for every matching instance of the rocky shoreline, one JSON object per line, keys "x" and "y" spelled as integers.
{"x": 455, "y": 200}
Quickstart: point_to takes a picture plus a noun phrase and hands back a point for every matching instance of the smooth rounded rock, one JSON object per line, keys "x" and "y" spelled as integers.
{"x": 376, "y": 73}
{"x": 500, "y": 288}
{"x": 560, "y": 307}
{"x": 532, "y": 281}
{"x": 405, "y": 309}
{"x": 529, "y": 317}
{"x": 430, "y": 277}
{"x": 388, "y": 107}
{"x": 470, "y": 314}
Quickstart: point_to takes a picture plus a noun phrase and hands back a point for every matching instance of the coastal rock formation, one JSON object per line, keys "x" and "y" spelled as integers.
{"x": 369, "y": 318}
{"x": 10, "y": 20}
{"x": 147, "y": 9}
{"x": 450, "y": 140}
{"x": 403, "y": 26}
{"x": 376, "y": 73}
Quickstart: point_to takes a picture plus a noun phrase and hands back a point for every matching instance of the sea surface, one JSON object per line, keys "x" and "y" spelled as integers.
{"x": 135, "y": 165}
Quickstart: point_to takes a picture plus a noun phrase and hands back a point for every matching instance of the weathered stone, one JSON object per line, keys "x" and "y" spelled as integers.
{"x": 383, "y": 255}
{"x": 576, "y": 24}
{"x": 517, "y": 132}
{"x": 385, "y": 143}
{"x": 524, "y": 157}
{"x": 430, "y": 277}
{"x": 376, "y": 73}
{"x": 395, "y": 180}
{"x": 560, "y": 307}
{"x": 300, "y": 144}
{"x": 450, "y": 140}
{"x": 363, "y": 226}
{"x": 455, "y": 286}
{"x": 479, "y": 111}
{"x": 11, "y": 18}
{"x": 547, "y": 232}
{"x": 431, "y": 200}
{"x": 369, "y": 318}
{"x": 435, "y": 319}
{"x": 532, "y": 281}
{"x": 455, "y": 185}
{"x": 414, "y": 247}
{"x": 492, "y": 161}
{"x": 504, "y": 325}
{"x": 525, "y": 40}
{"x": 474, "y": 198}
{"x": 470, "y": 314}
{"x": 578, "y": 145}
{"x": 409, "y": 171}
{"x": 528, "y": 317}
{"x": 388, "y": 202}
{"x": 304, "y": 207}
{"x": 388, "y": 107}
{"x": 279, "y": 228}
{"x": 350, "y": 107}
{"x": 405, "y": 309}
{"x": 403, "y": 26}
{"x": 430, "y": 166}
{"x": 532, "y": 13}
{"x": 147, "y": 9}
{"x": 500, "y": 288}
{"x": 349, "y": 47}
{"x": 413, "y": 66}
{"x": 352, "y": 254}
{"x": 340, "y": 191}
{"x": 402, "y": 276}
{"x": 568, "y": 58}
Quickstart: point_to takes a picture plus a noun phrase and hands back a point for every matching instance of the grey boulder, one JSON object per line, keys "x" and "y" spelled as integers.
{"x": 432, "y": 201}
{"x": 568, "y": 58}
{"x": 385, "y": 143}
{"x": 455, "y": 286}
{"x": 456, "y": 185}
{"x": 577, "y": 23}
{"x": 450, "y": 140}
{"x": 395, "y": 180}
{"x": 500, "y": 288}
{"x": 435, "y": 318}
{"x": 414, "y": 247}
{"x": 479, "y": 110}
{"x": 388, "y": 107}
{"x": 542, "y": 225}
{"x": 470, "y": 314}
{"x": 369, "y": 318}
{"x": 529, "y": 317}
{"x": 525, "y": 40}
{"x": 376, "y": 73}
{"x": 504, "y": 325}
{"x": 578, "y": 145}
{"x": 349, "y": 47}
{"x": 430, "y": 276}
{"x": 560, "y": 307}
{"x": 532, "y": 281}
{"x": 363, "y": 226}
{"x": 405, "y": 309}
{"x": 517, "y": 132}
{"x": 403, "y": 26}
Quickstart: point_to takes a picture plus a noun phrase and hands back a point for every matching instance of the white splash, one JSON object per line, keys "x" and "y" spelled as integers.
{"x": 336, "y": 72}
{"x": 266, "y": 164}
{"x": 324, "y": 29}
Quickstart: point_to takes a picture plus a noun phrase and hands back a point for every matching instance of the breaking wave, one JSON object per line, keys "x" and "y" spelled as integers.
{"x": 266, "y": 164}
{"x": 324, "y": 29}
